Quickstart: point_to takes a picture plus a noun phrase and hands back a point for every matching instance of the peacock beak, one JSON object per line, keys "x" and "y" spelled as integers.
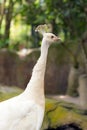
{"x": 57, "y": 39}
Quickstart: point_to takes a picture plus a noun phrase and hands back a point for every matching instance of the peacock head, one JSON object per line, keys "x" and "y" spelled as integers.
{"x": 48, "y": 37}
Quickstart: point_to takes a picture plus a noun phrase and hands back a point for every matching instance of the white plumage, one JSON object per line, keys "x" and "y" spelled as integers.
{"x": 26, "y": 111}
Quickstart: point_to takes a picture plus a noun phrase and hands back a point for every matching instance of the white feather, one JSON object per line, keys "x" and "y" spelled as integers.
{"x": 26, "y": 111}
{"x": 19, "y": 113}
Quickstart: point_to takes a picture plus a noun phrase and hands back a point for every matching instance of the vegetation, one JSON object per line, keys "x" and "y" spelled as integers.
{"x": 6, "y": 95}
{"x": 18, "y": 20}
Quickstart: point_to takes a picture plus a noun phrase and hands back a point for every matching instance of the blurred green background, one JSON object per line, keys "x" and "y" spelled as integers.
{"x": 18, "y": 19}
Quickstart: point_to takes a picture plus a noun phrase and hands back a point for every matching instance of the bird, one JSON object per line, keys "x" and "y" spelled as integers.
{"x": 26, "y": 111}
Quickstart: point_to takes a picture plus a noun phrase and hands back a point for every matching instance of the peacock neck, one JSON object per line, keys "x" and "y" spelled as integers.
{"x": 35, "y": 88}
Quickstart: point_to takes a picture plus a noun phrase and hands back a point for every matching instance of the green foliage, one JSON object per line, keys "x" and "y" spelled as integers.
{"x": 70, "y": 16}
{"x": 4, "y": 43}
{"x": 66, "y": 17}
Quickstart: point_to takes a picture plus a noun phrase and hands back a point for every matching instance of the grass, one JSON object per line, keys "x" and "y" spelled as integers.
{"x": 5, "y": 96}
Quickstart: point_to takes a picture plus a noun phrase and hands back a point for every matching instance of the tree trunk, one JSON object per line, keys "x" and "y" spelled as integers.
{"x": 34, "y": 37}
{"x": 8, "y": 18}
{"x": 83, "y": 90}
{"x": 73, "y": 82}
{"x": 54, "y": 27}
{"x": 2, "y": 9}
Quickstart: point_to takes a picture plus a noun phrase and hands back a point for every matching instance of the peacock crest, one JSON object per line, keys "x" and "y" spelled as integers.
{"x": 45, "y": 28}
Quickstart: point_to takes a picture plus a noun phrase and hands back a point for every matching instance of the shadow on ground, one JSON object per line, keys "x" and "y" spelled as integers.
{"x": 71, "y": 126}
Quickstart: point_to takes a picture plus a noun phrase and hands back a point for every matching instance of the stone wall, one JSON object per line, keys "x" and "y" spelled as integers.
{"x": 16, "y": 71}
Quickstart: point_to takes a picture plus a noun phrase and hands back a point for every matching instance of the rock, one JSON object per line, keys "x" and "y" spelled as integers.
{"x": 61, "y": 115}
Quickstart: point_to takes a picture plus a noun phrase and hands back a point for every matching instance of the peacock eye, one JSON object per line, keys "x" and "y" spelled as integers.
{"x": 52, "y": 36}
